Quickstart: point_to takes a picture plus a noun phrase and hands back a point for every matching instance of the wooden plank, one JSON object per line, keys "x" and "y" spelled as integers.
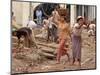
{"x": 14, "y": 45}
{"x": 14, "y": 39}
{"x": 86, "y": 61}
{"x": 48, "y": 55}
{"x": 47, "y": 45}
{"x": 48, "y": 50}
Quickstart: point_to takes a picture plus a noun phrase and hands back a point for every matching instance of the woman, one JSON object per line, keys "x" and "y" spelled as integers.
{"x": 76, "y": 41}
{"x": 63, "y": 33}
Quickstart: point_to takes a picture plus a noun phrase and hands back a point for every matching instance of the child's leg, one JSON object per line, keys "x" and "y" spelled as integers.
{"x": 68, "y": 56}
{"x": 60, "y": 49}
{"x": 66, "y": 53}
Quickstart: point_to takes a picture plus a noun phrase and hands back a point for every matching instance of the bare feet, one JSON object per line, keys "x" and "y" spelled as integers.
{"x": 57, "y": 62}
{"x": 78, "y": 64}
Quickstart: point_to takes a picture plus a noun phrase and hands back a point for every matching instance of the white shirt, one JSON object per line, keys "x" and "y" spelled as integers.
{"x": 38, "y": 13}
{"x": 50, "y": 22}
{"x": 77, "y": 31}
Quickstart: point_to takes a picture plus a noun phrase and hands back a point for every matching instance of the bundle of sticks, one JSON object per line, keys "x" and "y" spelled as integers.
{"x": 62, "y": 12}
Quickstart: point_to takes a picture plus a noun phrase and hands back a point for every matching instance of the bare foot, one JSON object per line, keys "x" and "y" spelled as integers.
{"x": 57, "y": 62}
{"x": 78, "y": 64}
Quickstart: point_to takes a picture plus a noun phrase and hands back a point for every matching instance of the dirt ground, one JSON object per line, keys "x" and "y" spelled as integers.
{"x": 30, "y": 60}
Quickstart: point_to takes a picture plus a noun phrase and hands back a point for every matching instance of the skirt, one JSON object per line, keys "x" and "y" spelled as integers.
{"x": 76, "y": 47}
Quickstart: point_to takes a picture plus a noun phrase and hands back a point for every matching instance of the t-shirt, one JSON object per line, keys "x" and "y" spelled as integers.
{"x": 38, "y": 13}
{"x": 77, "y": 31}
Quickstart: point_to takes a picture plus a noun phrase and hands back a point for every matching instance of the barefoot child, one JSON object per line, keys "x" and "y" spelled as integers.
{"x": 63, "y": 33}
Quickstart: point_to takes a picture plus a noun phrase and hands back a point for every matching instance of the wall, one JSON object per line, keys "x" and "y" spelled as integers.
{"x": 17, "y": 9}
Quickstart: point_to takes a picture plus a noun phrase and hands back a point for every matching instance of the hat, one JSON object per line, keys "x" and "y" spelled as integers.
{"x": 79, "y": 17}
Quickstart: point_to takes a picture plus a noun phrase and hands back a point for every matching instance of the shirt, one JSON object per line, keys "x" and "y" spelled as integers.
{"x": 38, "y": 13}
{"x": 77, "y": 31}
{"x": 51, "y": 22}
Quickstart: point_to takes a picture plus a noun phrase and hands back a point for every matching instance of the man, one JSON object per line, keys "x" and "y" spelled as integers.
{"x": 28, "y": 36}
{"x": 45, "y": 28}
{"x": 52, "y": 27}
{"x": 52, "y": 30}
{"x": 91, "y": 31}
{"x": 39, "y": 16}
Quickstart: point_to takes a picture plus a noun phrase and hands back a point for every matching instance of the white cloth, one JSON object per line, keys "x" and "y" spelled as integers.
{"x": 91, "y": 29}
{"x": 77, "y": 31}
{"x": 32, "y": 24}
{"x": 92, "y": 26}
{"x": 91, "y": 32}
{"x": 46, "y": 21}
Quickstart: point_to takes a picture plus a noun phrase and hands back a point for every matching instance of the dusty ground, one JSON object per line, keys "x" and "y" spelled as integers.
{"x": 30, "y": 60}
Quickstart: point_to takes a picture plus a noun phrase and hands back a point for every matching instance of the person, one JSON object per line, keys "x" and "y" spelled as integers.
{"x": 27, "y": 34}
{"x": 55, "y": 13}
{"x": 39, "y": 16}
{"x": 77, "y": 41}
{"x": 52, "y": 30}
{"x": 14, "y": 24}
{"x": 31, "y": 25}
{"x": 91, "y": 31}
{"x": 63, "y": 33}
{"x": 86, "y": 23}
{"x": 45, "y": 28}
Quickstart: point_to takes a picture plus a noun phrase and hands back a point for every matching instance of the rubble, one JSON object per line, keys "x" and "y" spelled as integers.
{"x": 43, "y": 59}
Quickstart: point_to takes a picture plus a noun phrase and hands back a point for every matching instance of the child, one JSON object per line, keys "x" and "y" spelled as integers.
{"x": 63, "y": 33}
